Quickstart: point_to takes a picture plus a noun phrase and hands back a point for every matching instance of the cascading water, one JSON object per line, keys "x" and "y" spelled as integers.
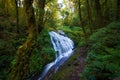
{"x": 64, "y": 49}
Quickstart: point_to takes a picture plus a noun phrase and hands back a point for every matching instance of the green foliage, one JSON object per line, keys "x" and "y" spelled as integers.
{"x": 43, "y": 52}
{"x": 6, "y": 25}
{"x": 36, "y": 62}
{"x": 74, "y": 32}
{"x": 103, "y": 60}
{"x": 5, "y": 61}
{"x": 18, "y": 40}
{"x": 7, "y": 48}
{"x": 75, "y": 21}
{"x": 2, "y": 44}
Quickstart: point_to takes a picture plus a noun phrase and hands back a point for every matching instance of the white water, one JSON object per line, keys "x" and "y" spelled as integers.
{"x": 64, "y": 49}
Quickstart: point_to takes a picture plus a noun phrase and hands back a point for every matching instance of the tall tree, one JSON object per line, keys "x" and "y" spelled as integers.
{"x": 98, "y": 13}
{"x": 17, "y": 15}
{"x": 41, "y": 11}
{"x": 5, "y": 7}
{"x": 118, "y": 10}
{"x": 81, "y": 20}
{"x": 20, "y": 69}
{"x": 106, "y": 11}
{"x": 89, "y": 15}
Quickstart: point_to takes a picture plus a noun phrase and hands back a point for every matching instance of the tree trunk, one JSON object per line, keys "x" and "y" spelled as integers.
{"x": 20, "y": 69}
{"x": 41, "y": 6}
{"x": 89, "y": 16}
{"x": 7, "y": 8}
{"x": 98, "y": 14}
{"x": 118, "y": 11}
{"x": 4, "y": 7}
{"x": 106, "y": 12}
{"x": 17, "y": 16}
{"x": 81, "y": 20}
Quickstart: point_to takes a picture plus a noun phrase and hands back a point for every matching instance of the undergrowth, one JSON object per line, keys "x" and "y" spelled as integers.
{"x": 43, "y": 52}
{"x": 103, "y": 60}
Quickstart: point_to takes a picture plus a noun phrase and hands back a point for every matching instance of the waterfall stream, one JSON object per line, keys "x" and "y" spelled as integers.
{"x": 64, "y": 49}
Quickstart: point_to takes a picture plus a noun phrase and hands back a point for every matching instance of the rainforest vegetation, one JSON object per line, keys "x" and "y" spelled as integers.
{"x": 25, "y": 47}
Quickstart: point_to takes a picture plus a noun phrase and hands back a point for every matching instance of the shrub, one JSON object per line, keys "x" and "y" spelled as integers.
{"x": 103, "y": 60}
{"x": 43, "y": 52}
{"x": 75, "y": 33}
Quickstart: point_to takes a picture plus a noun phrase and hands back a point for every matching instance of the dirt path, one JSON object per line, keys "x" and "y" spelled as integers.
{"x": 79, "y": 64}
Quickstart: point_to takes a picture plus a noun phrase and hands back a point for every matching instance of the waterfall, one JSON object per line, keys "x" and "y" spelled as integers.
{"x": 64, "y": 49}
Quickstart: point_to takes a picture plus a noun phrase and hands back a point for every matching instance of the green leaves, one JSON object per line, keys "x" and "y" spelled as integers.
{"x": 36, "y": 62}
{"x": 103, "y": 60}
{"x": 43, "y": 53}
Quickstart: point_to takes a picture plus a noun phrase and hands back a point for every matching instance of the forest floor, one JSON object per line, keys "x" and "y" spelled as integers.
{"x": 72, "y": 68}
{"x": 79, "y": 64}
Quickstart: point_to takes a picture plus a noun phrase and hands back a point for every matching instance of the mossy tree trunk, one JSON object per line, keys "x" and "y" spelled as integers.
{"x": 17, "y": 16}
{"x": 89, "y": 16}
{"x": 20, "y": 69}
{"x": 41, "y": 11}
{"x": 81, "y": 21}
{"x": 118, "y": 11}
{"x": 98, "y": 14}
{"x": 107, "y": 12}
{"x": 5, "y": 7}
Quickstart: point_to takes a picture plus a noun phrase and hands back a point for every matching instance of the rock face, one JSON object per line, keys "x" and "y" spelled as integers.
{"x": 61, "y": 32}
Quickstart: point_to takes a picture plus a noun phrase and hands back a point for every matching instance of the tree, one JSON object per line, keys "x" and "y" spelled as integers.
{"x": 98, "y": 13}
{"x": 106, "y": 11}
{"x": 52, "y": 15}
{"x": 89, "y": 15}
{"x": 4, "y": 6}
{"x": 20, "y": 69}
{"x": 41, "y": 11}
{"x": 118, "y": 10}
{"x": 80, "y": 17}
{"x": 17, "y": 15}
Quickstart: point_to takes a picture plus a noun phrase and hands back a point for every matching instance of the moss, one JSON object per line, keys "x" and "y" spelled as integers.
{"x": 103, "y": 57}
{"x": 42, "y": 54}
{"x": 63, "y": 74}
{"x": 75, "y": 33}
{"x": 65, "y": 71}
